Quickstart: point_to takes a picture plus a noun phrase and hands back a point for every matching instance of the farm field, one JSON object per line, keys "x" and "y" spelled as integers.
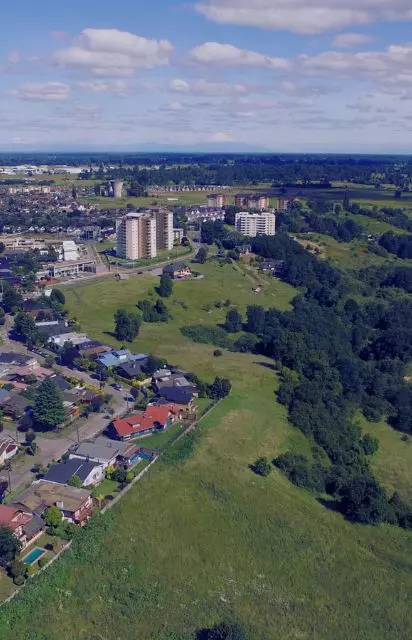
{"x": 206, "y": 540}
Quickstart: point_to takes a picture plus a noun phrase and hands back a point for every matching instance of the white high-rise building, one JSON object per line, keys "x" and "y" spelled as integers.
{"x": 164, "y": 229}
{"x": 142, "y": 234}
{"x": 255, "y": 224}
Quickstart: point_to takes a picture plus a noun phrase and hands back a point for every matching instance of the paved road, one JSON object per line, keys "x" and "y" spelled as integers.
{"x": 97, "y": 277}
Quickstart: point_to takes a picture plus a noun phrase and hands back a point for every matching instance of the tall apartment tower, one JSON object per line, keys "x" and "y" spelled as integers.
{"x": 136, "y": 236}
{"x": 255, "y": 224}
{"x": 164, "y": 229}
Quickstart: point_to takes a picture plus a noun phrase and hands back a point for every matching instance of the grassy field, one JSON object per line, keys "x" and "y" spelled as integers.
{"x": 181, "y": 198}
{"x": 186, "y": 306}
{"x": 207, "y": 539}
{"x": 393, "y": 461}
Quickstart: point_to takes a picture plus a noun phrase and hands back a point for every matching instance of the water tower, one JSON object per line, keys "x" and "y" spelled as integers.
{"x": 117, "y": 186}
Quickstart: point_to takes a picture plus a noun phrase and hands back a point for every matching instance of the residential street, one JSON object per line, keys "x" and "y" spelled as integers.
{"x": 52, "y": 446}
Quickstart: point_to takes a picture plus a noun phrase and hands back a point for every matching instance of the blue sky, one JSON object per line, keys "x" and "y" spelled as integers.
{"x": 279, "y": 75}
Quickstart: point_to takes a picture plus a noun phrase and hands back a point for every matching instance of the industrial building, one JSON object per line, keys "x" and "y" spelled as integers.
{"x": 142, "y": 234}
{"x": 255, "y": 224}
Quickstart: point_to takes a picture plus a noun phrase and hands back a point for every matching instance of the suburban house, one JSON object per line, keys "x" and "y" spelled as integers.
{"x": 27, "y": 370}
{"x": 76, "y": 339}
{"x": 92, "y": 348}
{"x": 102, "y": 450}
{"x": 144, "y": 423}
{"x": 10, "y": 357}
{"x": 15, "y": 406}
{"x": 90, "y": 473}
{"x": 24, "y": 524}
{"x": 183, "y": 397}
{"x": 8, "y": 448}
{"x": 75, "y": 504}
{"x": 130, "y": 370}
{"x": 113, "y": 359}
{"x": 178, "y": 270}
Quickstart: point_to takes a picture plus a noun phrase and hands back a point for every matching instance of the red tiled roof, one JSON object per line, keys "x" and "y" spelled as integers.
{"x": 13, "y": 518}
{"x": 7, "y": 447}
{"x": 143, "y": 421}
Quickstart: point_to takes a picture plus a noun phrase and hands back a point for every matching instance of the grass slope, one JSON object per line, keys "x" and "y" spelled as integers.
{"x": 193, "y": 544}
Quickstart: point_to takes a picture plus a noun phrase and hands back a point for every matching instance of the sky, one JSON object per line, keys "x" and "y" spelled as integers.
{"x": 259, "y": 75}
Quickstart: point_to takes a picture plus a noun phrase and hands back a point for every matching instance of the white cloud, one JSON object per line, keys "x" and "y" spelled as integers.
{"x": 174, "y": 106}
{"x": 110, "y": 52}
{"x": 227, "y": 55}
{"x": 39, "y": 92}
{"x": 14, "y": 57}
{"x": 221, "y": 136}
{"x": 346, "y": 40}
{"x": 392, "y": 64}
{"x": 204, "y": 88}
{"x": 301, "y": 16}
{"x": 118, "y": 87}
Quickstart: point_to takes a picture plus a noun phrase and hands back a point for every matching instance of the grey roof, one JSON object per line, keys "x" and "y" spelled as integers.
{"x": 179, "y": 395}
{"x": 10, "y": 357}
{"x": 101, "y": 449}
{"x": 33, "y": 527}
{"x": 63, "y": 471}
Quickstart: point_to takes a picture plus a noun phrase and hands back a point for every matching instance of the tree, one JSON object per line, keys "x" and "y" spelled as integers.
{"x": 102, "y": 372}
{"x": 18, "y": 568}
{"x": 152, "y": 364}
{"x": 255, "y": 319}
{"x": 58, "y": 296}
{"x": 10, "y": 546}
{"x": 2, "y": 316}
{"x": 75, "y": 481}
{"x": 220, "y": 388}
{"x": 12, "y": 300}
{"x": 127, "y": 325}
{"x": 364, "y": 500}
{"x": 2, "y": 247}
{"x": 53, "y": 517}
{"x": 48, "y": 410}
{"x": 233, "y": 322}
{"x": 369, "y": 444}
{"x": 226, "y": 631}
{"x": 262, "y": 467}
{"x": 119, "y": 475}
{"x": 201, "y": 256}
{"x": 165, "y": 288}
{"x": 30, "y": 436}
{"x": 25, "y": 328}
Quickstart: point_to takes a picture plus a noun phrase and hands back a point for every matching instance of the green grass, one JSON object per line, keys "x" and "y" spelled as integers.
{"x": 106, "y": 488}
{"x": 185, "y": 305}
{"x": 393, "y": 461}
{"x": 207, "y": 539}
{"x": 192, "y": 544}
{"x": 176, "y": 253}
{"x": 160, "y": 440}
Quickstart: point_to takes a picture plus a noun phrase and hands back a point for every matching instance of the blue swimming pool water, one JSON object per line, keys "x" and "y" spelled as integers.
{"x": 34, "y": 555}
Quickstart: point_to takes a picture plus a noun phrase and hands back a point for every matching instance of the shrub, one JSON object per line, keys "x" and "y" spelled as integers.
{"x": 217, "y": 353}
{"x": 42, "y": 562}
{"x": 19, "y": 580}
{"x": 262, "y": 467}
{"x": 207, "y": 335}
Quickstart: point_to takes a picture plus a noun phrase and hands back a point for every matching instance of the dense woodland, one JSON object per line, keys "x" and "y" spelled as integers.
{"x": 279, "y": 170}
{"x": 343, "y": 348}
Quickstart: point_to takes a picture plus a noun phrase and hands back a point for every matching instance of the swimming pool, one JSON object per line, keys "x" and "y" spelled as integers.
{"x": 34, "y": 555}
